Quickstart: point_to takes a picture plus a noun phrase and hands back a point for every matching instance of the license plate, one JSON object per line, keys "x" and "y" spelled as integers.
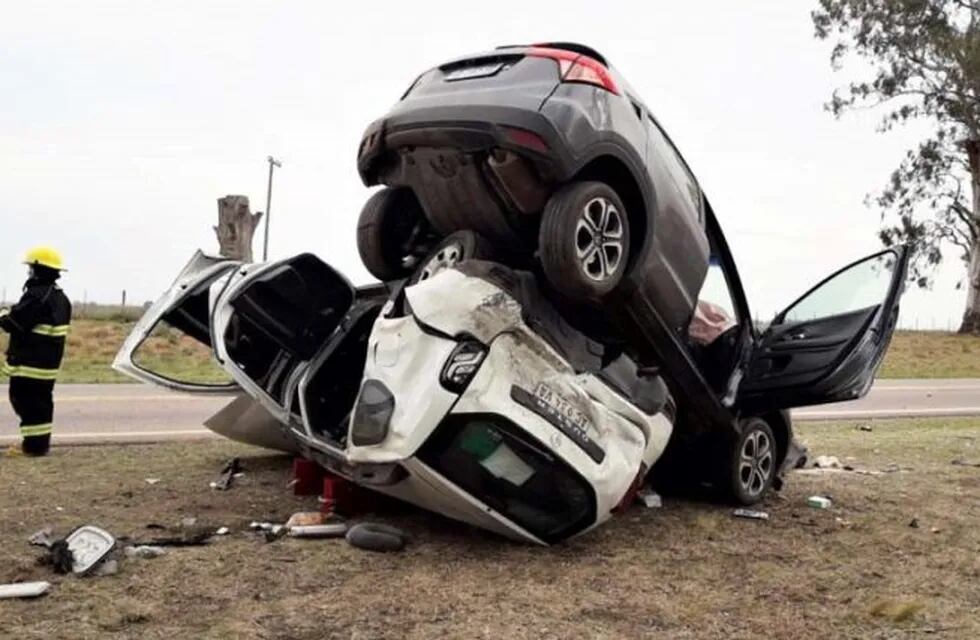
{"x": 480, "y": 71}
{"x": 558, "y": 411}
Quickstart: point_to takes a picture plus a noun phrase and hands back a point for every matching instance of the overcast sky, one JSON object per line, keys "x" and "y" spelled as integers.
{"x": 122, "y": 122}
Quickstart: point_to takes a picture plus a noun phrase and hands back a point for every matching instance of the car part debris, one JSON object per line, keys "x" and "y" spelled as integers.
{"x": 59, "y": 557}
{"x": 306, "y": 519}
{"x": 751, "y": 514}
{"x": 186, "y": 539}
{"x": 88, "y": 546}
{"x": 222, "y": 531}
{"x": 376, "y": 537}
{"x": 144, "y": 551}
{"x": 914, "y": 523}
{"x": 231, "y": 470}
{"x": 42, "y": 538}
{"x": 963, "y": 463}
{"x": 865, "y": 427}
{"x": 333, "y": 530}
{"x": 819, "y": 502}
{"x": 105, "y": 568}
{"x": 827, "y": 462}
{"x": 650, "y": 498}
{"x": 152, "y": 481}
{"x": 24, "y": 590}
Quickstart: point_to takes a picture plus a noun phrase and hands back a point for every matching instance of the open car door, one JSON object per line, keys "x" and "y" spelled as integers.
{"x": 171, "y": 344}
{"x": 827, "y": 346}
{"x": 272, "y": 320}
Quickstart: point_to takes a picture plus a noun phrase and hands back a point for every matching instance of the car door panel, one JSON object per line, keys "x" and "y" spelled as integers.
{"x": 180, "y": 317}
{"x": 828, "y": 357}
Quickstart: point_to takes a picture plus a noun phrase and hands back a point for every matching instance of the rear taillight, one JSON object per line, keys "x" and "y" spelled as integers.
{"x": 575, "y": 67}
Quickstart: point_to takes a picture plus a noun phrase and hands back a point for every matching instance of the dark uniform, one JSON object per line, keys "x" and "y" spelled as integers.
{"x": 38, "y": 327}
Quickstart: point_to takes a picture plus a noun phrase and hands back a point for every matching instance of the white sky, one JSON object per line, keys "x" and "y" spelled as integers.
{"x": 122, "y": 122}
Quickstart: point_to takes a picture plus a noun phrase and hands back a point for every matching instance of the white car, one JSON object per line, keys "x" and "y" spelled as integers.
{"x": 465, "y": 394}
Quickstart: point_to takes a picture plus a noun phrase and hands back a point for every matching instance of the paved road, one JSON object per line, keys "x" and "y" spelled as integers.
{"x": 94, "y": 413}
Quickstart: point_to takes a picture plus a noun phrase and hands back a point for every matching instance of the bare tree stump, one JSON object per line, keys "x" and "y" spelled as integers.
{"x": 236, "y": 226}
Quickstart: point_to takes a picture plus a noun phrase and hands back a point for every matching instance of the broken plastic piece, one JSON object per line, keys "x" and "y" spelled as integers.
{"x": 650, "y": 498}
{"x": 222, "y": 531}
{"x": 42, "y": 538}
{"x": 818, "y": 502}
{"x": 751, "y": 514}
{"x": 332, "y": 530}
{"x": 144, "y": 551}
{"x": 88, "y": 546}
{"x": 24, "y": 590}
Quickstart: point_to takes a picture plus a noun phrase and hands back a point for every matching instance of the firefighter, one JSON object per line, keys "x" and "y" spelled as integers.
{"x": 38, "y": 328}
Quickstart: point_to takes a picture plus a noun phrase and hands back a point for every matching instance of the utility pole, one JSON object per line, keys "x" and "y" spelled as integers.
{"x": 268, "y": 207}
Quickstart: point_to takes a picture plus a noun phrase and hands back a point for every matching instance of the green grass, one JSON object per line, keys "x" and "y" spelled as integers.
{"x": 93, "y": 343}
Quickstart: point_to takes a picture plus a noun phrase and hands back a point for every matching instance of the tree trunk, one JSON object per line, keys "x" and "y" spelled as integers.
{"x": 971, "y": 316}
{"x": 236, "y": 226}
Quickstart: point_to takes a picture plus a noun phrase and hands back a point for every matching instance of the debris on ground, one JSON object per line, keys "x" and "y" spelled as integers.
{"x": 332, "y": 530}
{"x": 751, "y": 514}
{"x": 152, "y": 481}
{"x": 827, "y": 462}
{"x": 306, "y": 519}
{"x": 818, "y": 502}
{"x": 88, "y": 546}
{"x": 222, "y": 531}
{"x": 271, "y": 531}
{"x": 185, "y": 539}
{"x": 106, "y": 568}
{"x": 650, "y": 498}
{"x": 24, "y": 590}
{"x": 963, "y": 463}
{"x": 865, "y": 427}
{"x": 144, "y": 551}
{"x": 231, "y": 470}
{"x": 914, "y": 523}
{"x": 42, "y": 538}
{"x": 59, "y": 557}
{"x": 376, "y": 537}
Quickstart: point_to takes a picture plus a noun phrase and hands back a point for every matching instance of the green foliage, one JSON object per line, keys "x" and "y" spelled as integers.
{"x": 925, "y": 61}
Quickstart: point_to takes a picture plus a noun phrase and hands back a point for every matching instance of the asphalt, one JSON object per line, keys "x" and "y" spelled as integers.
{"x": 136, "y": 413}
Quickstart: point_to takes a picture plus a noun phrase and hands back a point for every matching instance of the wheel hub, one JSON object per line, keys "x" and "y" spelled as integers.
{"x": 446, "y": 258}
{"x": 755, "y": 463}
{"x": 599, "y": 239}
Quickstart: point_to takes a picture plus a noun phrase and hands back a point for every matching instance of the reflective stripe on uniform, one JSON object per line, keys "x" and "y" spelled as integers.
{"x": 29, "y": 372}
{"x": 54, "y": 331}
{"x": 27, "y": 431}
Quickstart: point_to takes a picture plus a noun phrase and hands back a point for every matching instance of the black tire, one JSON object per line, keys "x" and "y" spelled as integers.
{"x": 376, "y": 537}
{"x": 751, "y": 467}
{"x": 455, "y": 248}
{"x": 584, "y": 251}
{"x": 385, "y": 231}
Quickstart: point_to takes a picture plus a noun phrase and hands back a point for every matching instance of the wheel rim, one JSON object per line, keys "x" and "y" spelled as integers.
{"x": 755, "y": 463}
{"x": 599, "y": 239}
{"x": 447, "y": 257}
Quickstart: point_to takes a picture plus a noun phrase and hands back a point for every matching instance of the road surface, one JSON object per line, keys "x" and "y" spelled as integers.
{"x": 136, "y": 413}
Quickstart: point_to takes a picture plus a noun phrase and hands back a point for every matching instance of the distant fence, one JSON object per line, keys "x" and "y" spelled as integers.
{"x": 111, "y": 312}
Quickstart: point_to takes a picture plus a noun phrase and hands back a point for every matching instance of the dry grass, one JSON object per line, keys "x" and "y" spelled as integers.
{"x": 933, "y": 354}
{"x": 689, "y": 570}
{"x": 93, "y": 343}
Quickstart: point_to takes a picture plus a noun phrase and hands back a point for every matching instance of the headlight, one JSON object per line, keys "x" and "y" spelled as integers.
{"x": 375, "y": 404}
{"x": 462, "y": 365}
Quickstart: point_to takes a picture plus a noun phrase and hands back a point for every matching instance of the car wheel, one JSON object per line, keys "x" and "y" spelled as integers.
{"x": 386, "y": 229}
{"x": 456, "y": 248}
{"x": 752, "y": 467}
{"x": 584, "y": 240}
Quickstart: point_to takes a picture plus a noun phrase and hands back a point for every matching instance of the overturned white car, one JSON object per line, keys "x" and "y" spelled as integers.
{"x": 466, "y": 393}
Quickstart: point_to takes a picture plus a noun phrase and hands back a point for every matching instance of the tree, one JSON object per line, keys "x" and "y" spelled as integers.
{"x": 236, "y": 227}
{"x": 925, "y": 60}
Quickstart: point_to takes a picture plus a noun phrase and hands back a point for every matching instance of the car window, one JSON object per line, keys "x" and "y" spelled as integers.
{"x": 661, "y": 145}
{"x": 859, "y": 286}
{"x": 715, "y": 290}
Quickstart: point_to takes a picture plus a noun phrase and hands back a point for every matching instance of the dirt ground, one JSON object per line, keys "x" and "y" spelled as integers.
{"x": 688, "y": 570}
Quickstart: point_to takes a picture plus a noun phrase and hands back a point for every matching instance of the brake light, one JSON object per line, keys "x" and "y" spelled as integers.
{"x": 575, "y": 67}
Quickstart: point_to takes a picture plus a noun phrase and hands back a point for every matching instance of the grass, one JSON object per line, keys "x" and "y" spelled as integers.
{"x": 94, "y": 341}
{"x": 933, "y": 354}
{"x": 688, "y": 570}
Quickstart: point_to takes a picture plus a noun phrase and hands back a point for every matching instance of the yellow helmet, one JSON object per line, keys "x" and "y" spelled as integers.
{"x": 46, "y": 257}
